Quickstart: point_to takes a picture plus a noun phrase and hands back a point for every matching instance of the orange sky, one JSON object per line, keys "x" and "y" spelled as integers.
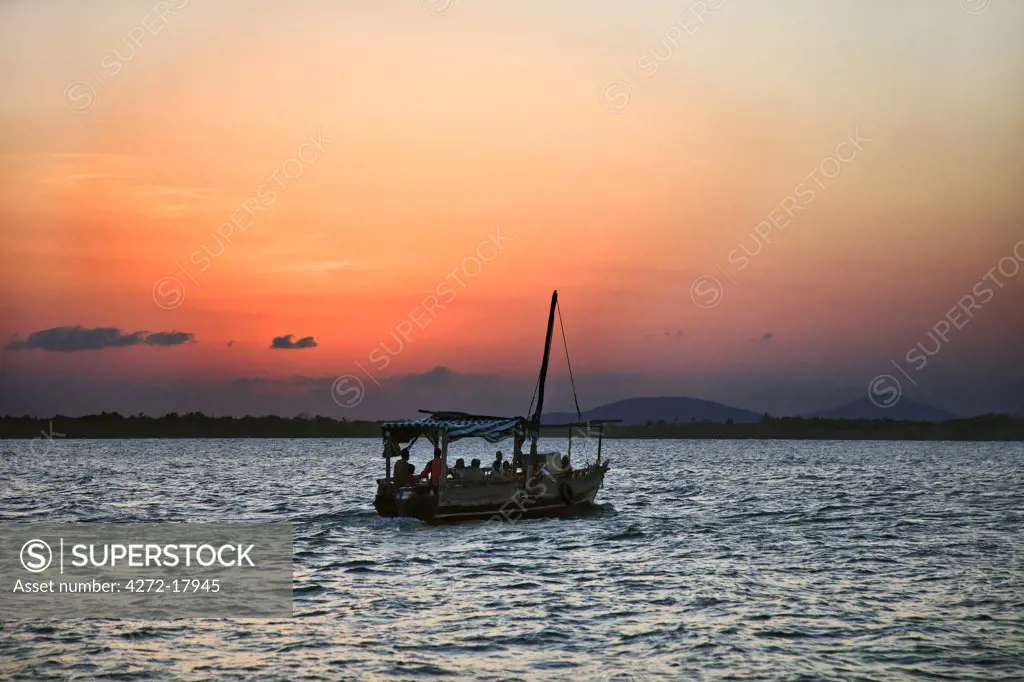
{"x": 122, "y": 159}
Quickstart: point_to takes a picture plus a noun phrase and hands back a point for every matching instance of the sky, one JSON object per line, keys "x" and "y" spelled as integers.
{"x": 360, "y": 209}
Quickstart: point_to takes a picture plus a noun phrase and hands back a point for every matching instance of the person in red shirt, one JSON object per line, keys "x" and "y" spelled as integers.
{"x": 433, "y": 469}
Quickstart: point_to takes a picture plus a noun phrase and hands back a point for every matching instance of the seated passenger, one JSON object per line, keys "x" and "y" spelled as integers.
{"x": 474, "y": 472}
{"x": 403, "y": 470}
{"x": 566, "y": 465}
{"x": 506, "y": 469}
{"x": 458, "y": 470}
{"x": 433, "y": 469}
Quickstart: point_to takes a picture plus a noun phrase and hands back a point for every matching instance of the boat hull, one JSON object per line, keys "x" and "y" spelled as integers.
{"x": 497, "y": 501}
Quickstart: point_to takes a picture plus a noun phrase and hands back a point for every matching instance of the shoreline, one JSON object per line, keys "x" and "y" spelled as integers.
{"x": 198, "y": 426}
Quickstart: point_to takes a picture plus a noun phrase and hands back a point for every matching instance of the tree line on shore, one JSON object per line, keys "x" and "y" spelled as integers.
{"x": 197, "y": 425}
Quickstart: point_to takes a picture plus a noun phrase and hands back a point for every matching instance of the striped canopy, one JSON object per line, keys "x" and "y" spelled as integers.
{"x": 491, "y": 429}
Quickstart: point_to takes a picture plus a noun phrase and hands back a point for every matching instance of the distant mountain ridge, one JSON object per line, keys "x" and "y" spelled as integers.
{"x": 679, "y": 409}
{"x": 669, "y": 409}
{"x": 904, "y": 409}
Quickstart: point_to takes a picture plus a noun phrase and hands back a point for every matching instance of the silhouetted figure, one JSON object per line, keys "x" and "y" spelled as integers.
{"x": 474, "y": 472}
{"x": 404, "y": 469}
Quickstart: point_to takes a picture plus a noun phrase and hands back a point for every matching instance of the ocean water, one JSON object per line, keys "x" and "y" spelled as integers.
{"x": 705, "y": 560}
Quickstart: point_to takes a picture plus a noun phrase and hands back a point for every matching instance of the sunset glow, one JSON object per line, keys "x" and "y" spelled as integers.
{"x": 245, "y": 171}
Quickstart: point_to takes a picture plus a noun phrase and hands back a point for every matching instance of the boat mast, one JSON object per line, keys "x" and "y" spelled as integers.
{"x": 543, "y": 375}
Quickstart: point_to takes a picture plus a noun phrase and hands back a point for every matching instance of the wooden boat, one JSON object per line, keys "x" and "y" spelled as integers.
{"x": 537, "y": 484}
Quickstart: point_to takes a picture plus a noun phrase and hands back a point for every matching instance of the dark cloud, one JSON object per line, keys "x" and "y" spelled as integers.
{"x": 434, "y": 377}
{"x": 170, "y": 338}
{"x": 767, "y": 337}
{"x": 70, "y": 339}
{"x": 285, "y": 342}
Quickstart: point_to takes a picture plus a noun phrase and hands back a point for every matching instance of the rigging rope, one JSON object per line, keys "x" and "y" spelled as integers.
{"x": 565, "y": 345}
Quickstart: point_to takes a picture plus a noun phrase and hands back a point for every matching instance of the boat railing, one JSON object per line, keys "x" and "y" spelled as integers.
{"x": 488, "y": 480}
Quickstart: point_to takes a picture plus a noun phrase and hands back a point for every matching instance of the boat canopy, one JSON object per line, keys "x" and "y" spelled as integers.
{"x": 457, "y": 426}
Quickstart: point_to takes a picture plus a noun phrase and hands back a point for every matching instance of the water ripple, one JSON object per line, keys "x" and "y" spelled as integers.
{"x": 754, "y": 560}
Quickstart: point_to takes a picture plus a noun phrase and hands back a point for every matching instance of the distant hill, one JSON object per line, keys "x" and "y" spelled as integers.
{"x": 904, "y": 410}
{"x": 669, "y": 409}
